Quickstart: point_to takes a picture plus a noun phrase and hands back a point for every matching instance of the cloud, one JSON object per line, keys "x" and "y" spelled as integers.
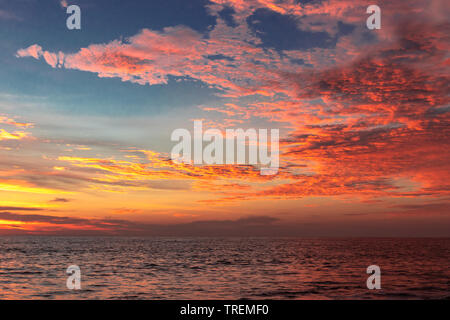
{"x": 160, "y": 166}
{"x": 425, "y": 207}
{"x": 64, "y": 200}
{"x": 12, "y": 122}
{"x": 6, "y": 15}
{"x": 18, "y": 184}
{"x": 16, "y": 135}
{"x": 152, "y": 57}
{"x": 34, "y": 51}
{"x": 20, "y": 209}
{"x": 387, "y": 225}
{"x": 36, "y": 224}
{"x": 362, "y": 126}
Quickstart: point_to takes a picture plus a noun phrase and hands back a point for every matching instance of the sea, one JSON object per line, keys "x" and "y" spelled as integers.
{"x": 35, "y": 267}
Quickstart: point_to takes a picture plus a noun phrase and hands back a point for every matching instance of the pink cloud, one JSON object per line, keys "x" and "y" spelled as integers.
{"x": 50, "y": 58}
{"x": 34, "y": 51}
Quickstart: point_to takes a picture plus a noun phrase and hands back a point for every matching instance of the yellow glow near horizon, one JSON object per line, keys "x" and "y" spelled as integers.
{"x": 30, "y": 189}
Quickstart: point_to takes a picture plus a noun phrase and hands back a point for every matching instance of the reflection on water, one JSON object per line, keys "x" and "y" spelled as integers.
{"x": 223, "y": 268}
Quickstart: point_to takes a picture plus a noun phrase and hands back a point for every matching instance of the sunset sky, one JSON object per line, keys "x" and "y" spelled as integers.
{"x": 86, "y": 117}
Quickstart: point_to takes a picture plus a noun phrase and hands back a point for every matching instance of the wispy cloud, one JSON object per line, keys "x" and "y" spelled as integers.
{"x": 7, "y": 15}
{"x": 62, "y": 200}
{"x": 16, "y": 135}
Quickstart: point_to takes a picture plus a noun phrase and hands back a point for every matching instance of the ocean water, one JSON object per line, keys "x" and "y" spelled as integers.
{"x": 223, "y": 268}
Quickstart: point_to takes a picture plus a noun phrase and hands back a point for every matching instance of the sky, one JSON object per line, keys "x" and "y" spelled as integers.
{"x": 86, "y": 117}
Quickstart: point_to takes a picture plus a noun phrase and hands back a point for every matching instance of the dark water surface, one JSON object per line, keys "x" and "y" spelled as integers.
{"x": 223, "y": 268}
